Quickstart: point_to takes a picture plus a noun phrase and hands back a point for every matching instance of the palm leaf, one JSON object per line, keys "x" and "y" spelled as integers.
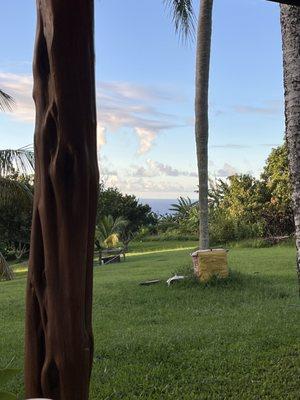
{"x": 6, "y": 101}
{"x": 14, "y": 191}
{"x": 109, "y": 226}
{"x": 183, "y": 16}
{"x": 16, "y": 161}
{"x": 183, "y": 206}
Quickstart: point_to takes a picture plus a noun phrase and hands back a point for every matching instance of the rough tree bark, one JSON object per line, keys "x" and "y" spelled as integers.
{"x": 58, "y": 339}
{"x": 290, "y": 26}
{"x": 201, "y": 114}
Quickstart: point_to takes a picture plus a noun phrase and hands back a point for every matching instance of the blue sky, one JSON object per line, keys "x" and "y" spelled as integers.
{"x": 145, "y": 91}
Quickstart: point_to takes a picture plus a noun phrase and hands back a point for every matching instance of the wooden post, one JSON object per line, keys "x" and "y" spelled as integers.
{"x": 58, "y": 339}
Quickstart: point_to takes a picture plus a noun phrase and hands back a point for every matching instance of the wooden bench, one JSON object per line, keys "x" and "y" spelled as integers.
{"x": 114, "y": 255}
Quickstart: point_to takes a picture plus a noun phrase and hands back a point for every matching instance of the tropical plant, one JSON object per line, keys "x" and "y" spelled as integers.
{"x": 184, "y": 17}
{"x": 16, "y": 161}
{"x": 15, "y": 217}
{"x": 12, "y": 164}
{"x": 16, "y": 197}
{"x": 201, "y": 114}
{"x": 108, "y": 230}
{"x": 278, "y": 207}
{"x": 182, "y": 207}
{"x": 290, "y": 27}
{"x": 112, "y": 202}
{"x": 6, "y": 101}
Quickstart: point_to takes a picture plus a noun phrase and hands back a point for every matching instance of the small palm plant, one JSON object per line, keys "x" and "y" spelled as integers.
{"x": 15, "y": 164}
{"x": 182, "y": 207}
{"x": 14, "y": 188}
{"x": 108, "y": 231}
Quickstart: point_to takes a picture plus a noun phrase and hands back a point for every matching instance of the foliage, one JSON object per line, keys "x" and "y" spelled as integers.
{"x": 14, "y": 161}
{"x": 278, "y": 212}
{"x": 14, "y": 187}
{"x": 235, "y": 209}
{"x": 240, "y": 207}
{"x": 108, "y": 230}
{"x": 6, "y": 101}
{"x": 182, "y": 207}
{"x": 246, "y": 207}
{"x": 15, "y": 214}
{"x": 183, "y": 16}
{"x": 204, "y": 342}
{"x": 242, "y": 197}
{"x": 182, "y": 223}
{"x": 112, "y": 202}
{"x": 111, "y": 241}
{"x": 16, "y": 197}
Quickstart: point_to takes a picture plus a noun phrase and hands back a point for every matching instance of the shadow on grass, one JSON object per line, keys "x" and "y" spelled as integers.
{"x": 254, "y": 283}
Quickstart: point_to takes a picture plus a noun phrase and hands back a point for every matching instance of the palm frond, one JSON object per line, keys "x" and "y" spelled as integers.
{"x": 183, "y": 206}
{"x": 183, "y": 16}
{"x": 16, "y": 161}
{"x": 6, "y": 101}
{"x": 14, "y": 191}
{"x": 109, "y": 226}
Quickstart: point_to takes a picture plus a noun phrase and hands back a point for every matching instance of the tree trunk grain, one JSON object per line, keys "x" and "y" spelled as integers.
{"x": 58, "y": 334}
{"x": 290, "y": 27}
{"x": 201, "y": 114}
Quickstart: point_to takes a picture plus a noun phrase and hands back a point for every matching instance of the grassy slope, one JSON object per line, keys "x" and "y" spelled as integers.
{"x": 239, "y": 340}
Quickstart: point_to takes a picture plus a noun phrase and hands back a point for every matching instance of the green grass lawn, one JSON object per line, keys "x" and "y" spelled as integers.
{"x": 236, "y": 340}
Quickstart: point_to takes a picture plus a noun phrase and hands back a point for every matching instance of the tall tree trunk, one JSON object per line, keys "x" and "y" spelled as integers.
{"x": 201, "y": 114}
{"x": 290, "y": 27}
{"x": 58, "y": 339}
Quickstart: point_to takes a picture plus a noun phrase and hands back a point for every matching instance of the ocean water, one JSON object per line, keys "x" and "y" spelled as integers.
{"x": 159, "y": 206}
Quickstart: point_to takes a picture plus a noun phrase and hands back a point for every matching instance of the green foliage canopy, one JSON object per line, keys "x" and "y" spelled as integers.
{"x": 112, "y": 202}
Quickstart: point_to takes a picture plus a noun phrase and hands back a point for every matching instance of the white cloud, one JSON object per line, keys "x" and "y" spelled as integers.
{"x": 155, "y": 168}
{"x": 145, "y": 186}
{"x": 101, "y": 139}
{"x": 126, "y": 105}
{"x": 146, "y": 136}
{"x": 226, "y": 170}
{"x": 20, "y": 88}
{"x": 269, "y": 108}
{"x": 119, "y": 105}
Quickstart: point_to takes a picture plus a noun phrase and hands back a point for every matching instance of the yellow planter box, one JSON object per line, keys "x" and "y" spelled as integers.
{"x": 209, "y": 263}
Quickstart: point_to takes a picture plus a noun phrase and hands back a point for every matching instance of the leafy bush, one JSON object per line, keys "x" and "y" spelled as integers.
{"x": 225, "y": 228}
{"x": 170, "y": 235}
{"x": 108, "y": 231}
{"x": 112, "y": 202}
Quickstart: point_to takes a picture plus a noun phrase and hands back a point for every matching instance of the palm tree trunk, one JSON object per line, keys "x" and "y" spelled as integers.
{"x": 58, "y": 339}
{"x": 201, "y": 114}
{"x": 290, "y": 26}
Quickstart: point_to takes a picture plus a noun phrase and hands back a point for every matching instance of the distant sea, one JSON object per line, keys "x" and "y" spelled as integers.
{"x": 159, "y": 206}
